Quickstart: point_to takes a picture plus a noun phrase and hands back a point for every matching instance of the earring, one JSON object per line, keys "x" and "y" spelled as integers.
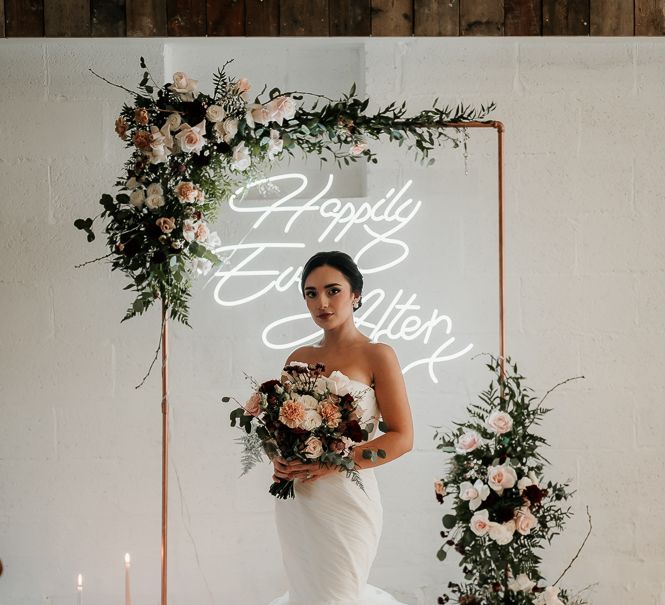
{"x": 356, "y": 304}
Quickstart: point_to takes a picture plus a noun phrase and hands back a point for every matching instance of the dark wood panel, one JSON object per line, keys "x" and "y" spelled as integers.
{"x": 612, "y": 18}
{"x": 350, "y": 18}
{"x": 522, "y": 18}
{"x": 146, "y": 18}
{"x": 262, "y": 17}
{"x": 481, "y": 17}
{"x": 304, "y": 18}
{"x": 392, "y": 17}
{"x": 436, "y": 18}
{"x": 2, "y": 18}
{"x": 24, "y": 18}
{"x": 649, "y": 17}
{"x": 566, "y": 18}
{"x": 226, "y": 17}
{"x": 67, "y": 18}
{"x": 108, "y": 18}
{"x": 186, "y": 17}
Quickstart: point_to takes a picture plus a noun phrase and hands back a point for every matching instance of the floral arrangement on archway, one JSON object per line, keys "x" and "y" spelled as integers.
{"x": 191, "y": 150}
{"x": 503, "y": 509}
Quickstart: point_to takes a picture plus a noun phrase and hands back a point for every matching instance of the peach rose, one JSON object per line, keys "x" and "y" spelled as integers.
{"x": 292, "y": 413}
{"x": 467, "y": 442}
{"x": 525, "y": 521}
{"x": 165, "y": 224}
{"x": 141, "y": 115}
{"x": 501, "y": 477}
{"x": 121, "y": 127}
{"x": 480, "y": 523}
{"x": 243, "y": 85}
{"x": 253, "y": 405}
{"x": 499, "y": 422}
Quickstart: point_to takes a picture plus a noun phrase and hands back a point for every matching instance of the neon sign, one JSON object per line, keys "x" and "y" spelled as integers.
{"x": 396, "y": 317}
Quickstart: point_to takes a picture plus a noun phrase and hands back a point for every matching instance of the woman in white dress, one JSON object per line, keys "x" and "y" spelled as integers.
{"x": 330, "y": 531}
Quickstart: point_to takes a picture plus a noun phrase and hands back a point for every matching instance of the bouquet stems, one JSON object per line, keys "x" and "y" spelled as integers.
{"x": 282, "y": 489}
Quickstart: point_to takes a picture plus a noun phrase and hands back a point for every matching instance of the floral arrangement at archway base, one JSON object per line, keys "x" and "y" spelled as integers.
{"x": 503, "y": 509}
{"x": 189, "y": 151}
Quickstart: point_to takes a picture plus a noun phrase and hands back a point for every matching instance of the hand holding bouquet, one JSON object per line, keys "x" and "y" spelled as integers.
{"x": 307, "y": 417}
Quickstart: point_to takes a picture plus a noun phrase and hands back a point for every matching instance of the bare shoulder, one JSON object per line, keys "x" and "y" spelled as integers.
{"x": 382, "y": 358}
{"x": 305, "y": 354}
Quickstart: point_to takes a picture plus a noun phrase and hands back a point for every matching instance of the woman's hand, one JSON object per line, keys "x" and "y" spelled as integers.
{"x": 294, "y": 469}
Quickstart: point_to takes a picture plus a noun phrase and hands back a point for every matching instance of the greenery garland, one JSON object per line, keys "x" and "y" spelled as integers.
{"x": 502, "y": 509}
{"x": 190, "y": 151}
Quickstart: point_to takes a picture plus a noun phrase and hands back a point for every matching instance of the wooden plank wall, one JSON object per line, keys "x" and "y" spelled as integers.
{"x": 146, "y": 18}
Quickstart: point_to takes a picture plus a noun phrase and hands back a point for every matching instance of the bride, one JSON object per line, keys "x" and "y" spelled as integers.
{"x": 330, "y": 531}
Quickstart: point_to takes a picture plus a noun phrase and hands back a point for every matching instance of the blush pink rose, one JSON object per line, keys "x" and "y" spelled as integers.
{"x": 499, "y": 422}
{"x": 468, "y": 442}
{"x": 501, "y": 477}
{"x": 525, "y": 521}
{"x": 480, "y": 523}
{"x": 502, "y": 533}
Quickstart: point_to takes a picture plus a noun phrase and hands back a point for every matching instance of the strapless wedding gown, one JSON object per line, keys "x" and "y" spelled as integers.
{"x": 329, "y": 534}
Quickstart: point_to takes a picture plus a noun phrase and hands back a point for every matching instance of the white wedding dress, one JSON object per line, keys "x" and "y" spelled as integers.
{"x": 329, "y": 534}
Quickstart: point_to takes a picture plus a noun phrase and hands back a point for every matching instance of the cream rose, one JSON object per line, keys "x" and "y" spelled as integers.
{"x": 339, "y": 384}
{"x": 480, "y": 523}
{"x": 260, "y": 114}
{"x": 313, "y": 448}
{"x": 502, "y": 533}
{"x": 525, "y": 521}
{"x": 132, "y": 183}
{"x": 154, "y": 201}
{"x": 215, "y": 113}
{"x": 226, "y": 130}
{"x": 155, "y": 189}
{"x": 468, "y": 442}
{"x": 501, "y": 477}
{"x": 499, "y": 422}
{"x": 550, "y": 596}
{"x": 184, "y": 86}
{"x": 173, "y": 121}
{"x": 308, "y": 401}
{"x": 137, "y": 198}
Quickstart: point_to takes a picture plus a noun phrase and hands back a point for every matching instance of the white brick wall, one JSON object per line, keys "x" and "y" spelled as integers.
{"x": 585, "y": 267}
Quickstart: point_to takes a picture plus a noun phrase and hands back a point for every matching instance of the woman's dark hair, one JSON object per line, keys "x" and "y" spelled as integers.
{"x": 337, "y": 260}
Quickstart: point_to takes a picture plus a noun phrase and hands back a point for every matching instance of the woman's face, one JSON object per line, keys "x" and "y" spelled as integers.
{"x": 329, "y": 297}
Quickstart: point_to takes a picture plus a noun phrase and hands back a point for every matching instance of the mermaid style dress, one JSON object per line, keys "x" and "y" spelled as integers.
{"x": 329, "y": 534}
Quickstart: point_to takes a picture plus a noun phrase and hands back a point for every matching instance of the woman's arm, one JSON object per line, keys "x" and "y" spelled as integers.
{"x": 393, "y": 402}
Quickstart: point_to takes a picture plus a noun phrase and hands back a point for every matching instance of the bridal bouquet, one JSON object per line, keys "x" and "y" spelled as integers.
{"x": 502, "y": 508}
{"x": 304, "y": 416}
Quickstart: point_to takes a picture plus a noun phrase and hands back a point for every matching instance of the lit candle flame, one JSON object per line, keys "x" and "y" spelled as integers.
{"x": 79, "y": 583}
{"x": 127, "y": 559}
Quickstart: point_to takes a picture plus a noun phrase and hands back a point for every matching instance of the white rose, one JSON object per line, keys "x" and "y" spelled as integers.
{"x": 275, "y": 144}
{"x": 215, "y": 113}
{"x": 499, "y": 422}
{"x": 311, "y": 421}
{"x": 480, "y": 523}
{"x": 154, "y": 201}
{"x": 241, "y": 158}
{"x": 521, "y": 583}
{"x": 339, "y": 384}
{"x": 155, "y": 189}
{"x": 501, "y": 477}
{"x": 468, "y": 442}
{"x": 137, "y": 197}
{"x": 173, "y": 121}
{"x": 475, "y": 493}
{"x": 308, "y": 402}
{"x": 320, "y": 385}
{"x": 550, "y": 596}
{"x": 189, "y": 229}
{"x": 313, "y": 447}
{"x": 502, "y": 533}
